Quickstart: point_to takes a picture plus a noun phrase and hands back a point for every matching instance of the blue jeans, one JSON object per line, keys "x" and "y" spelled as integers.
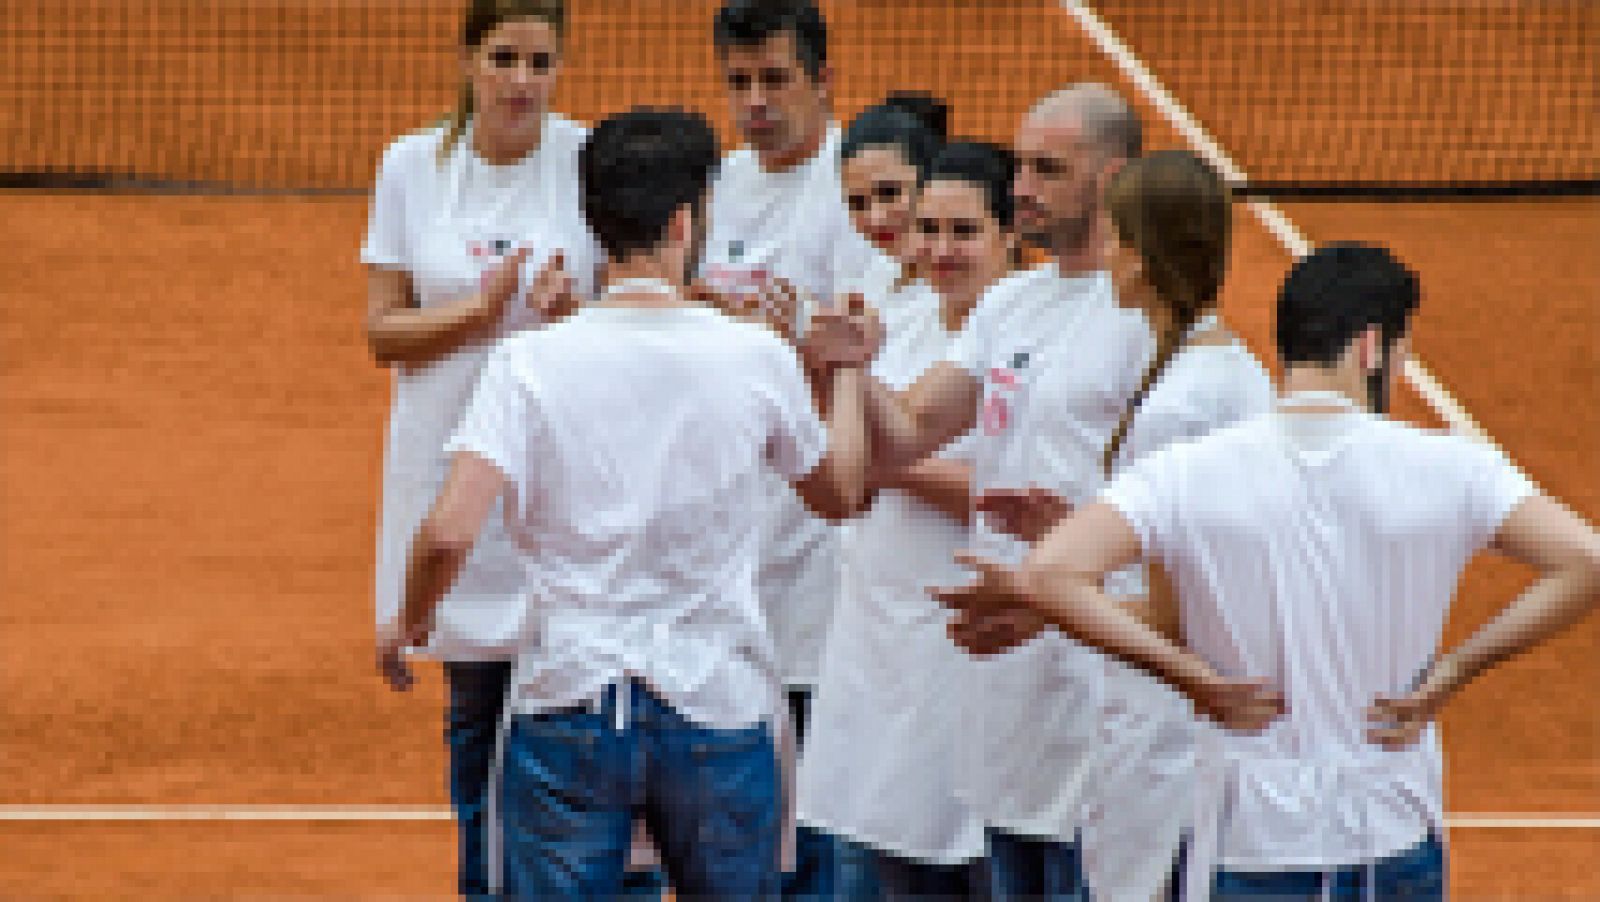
{"x": 826, "y": 867}
{"x": 906, "y": 878}
{"x": 1415, "y": 875}
{"x": 477, "y": 693}
{"x": 573, "y": 784}
{"x": 1022, "y": 867}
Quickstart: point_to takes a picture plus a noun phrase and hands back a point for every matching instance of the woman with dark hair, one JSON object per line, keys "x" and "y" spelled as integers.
{"x": 1170, "y": 222}
{"x": 461, "y": 214}
{"x": 885, "y": 154}
{"x": 877, "y": 769}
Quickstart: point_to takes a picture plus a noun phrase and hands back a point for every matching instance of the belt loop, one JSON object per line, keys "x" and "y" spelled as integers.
{"x": 624, "y": 700}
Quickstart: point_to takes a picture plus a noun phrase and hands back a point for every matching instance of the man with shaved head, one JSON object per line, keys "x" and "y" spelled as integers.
{"x": 1042, "y": 373}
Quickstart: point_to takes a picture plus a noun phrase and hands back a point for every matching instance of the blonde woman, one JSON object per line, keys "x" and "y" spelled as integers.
{"x": 462, "y": 214}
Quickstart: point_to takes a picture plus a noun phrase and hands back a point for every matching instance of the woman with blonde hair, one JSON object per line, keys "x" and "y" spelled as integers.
{"x": 462, "y": 214}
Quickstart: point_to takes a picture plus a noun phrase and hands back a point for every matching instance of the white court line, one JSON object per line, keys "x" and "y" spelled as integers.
{"x": 1420, "y": 379}
{"x": 146, "y": 813}
{"x": 219, "y": 813}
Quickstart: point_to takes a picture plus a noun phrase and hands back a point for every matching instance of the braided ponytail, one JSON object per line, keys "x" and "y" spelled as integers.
{"x": 1175, "y": 212}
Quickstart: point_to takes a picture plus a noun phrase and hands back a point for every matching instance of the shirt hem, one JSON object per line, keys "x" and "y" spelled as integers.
{"x": 1319, "y": 862}
{"x": 892, "y": 848}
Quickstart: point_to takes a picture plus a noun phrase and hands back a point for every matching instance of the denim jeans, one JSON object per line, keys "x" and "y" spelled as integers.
{"x": 1022, "y": 867}
{"x": 826, "y": 866}
{"x": 1415, "y": 875}
{"x": 573, "y": 784}
{"x": 906, "y": 878}
{"x": 477, "y": 694}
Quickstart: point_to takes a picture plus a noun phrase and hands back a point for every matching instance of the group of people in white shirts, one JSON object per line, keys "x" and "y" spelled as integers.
{"x": 782, "y": 514}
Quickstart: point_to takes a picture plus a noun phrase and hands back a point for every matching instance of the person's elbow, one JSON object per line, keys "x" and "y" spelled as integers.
{"x": 380, "y": 343}
{"x": 441, "y": 537}
{"x": 831, "y": 493}
{"x": 1588, "y": 568}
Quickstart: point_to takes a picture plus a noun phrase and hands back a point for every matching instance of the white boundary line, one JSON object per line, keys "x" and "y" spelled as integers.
{"x": 353, "y": 813}
{"x": 1420, "y": 379}
{"x": 220, "y": 813}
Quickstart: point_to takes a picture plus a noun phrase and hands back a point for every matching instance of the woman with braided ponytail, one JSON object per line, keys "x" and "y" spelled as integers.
{"x": 1171, "y": 221}
{"x": 1170, "y": 218}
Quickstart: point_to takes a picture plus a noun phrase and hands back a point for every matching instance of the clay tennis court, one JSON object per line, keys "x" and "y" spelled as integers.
{"x": 191, "y": 429}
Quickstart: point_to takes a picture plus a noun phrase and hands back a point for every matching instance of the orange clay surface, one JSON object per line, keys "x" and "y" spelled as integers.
{"x": 190, "y": 433}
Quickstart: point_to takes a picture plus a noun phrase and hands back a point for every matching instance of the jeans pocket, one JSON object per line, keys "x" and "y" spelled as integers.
{"x": 557, "y": 758}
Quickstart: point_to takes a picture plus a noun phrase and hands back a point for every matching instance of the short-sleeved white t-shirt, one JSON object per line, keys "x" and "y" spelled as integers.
{"x": 1059, "y": 361}
{"x": 790, "y": 224}
{"x": 1320, "y": 552}
{"x": 635, "y": 444}
{"x": 877, "y": 764}
{"x": 1141, "y": 800}
{"x": 445, "y": 223}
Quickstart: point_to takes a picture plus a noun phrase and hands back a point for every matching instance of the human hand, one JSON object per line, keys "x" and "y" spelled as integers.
{"x": 1028, "y": 514}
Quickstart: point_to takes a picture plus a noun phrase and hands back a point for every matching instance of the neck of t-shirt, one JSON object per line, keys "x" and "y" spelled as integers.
{"x": 802, "y": 154}
{"x": 644, "y": 283}
{"x": 495, "y": 150}
{"x": 1323, "y": 389}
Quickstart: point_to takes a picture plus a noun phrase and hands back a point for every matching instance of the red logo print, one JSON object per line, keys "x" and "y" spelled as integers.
{"x": 997, "y": 405}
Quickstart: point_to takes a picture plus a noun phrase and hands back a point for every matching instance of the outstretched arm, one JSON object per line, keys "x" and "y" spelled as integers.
{"x": 1060, "y": 580}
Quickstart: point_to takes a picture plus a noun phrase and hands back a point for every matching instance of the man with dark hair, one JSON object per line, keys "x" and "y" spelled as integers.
{"x": 630, "y": 443}
{"x": 780, "y": 229}
{"x": 1316, "y": 548}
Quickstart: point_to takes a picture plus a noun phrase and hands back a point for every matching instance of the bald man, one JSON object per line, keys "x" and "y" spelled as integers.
{"x": 1043, "y": 371}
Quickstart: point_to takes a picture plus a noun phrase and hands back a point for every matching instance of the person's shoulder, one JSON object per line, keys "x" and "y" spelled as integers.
{"x": 1022, "y": 280}
{"x": 1431, "y": 446}
{"x": 738, "y": 164}
{"x": 1228, "y": 371}
{"x": 414, "y": 148}
{"x": 1000, "y": 297}
{"x": 564, "y": 134}
{"x": 1230, "y": 445}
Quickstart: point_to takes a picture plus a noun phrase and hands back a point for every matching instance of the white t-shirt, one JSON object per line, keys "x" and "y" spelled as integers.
{"x": 445, "y": 224}
{"x": 1059, "y": 361}
{"x": 1142, "y": 798}
{"x": 635, "y": 442}
{"x": 1320, "y": 552}
{"x": 792, "y": 225}
{"x": 877, "y": 765}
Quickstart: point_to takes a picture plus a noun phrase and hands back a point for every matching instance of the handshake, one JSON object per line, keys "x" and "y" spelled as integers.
{"x": 846, "y": 334}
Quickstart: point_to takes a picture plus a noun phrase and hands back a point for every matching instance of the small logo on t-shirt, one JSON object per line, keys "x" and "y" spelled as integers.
{"x": 735, "y": 250}
{"x": 493, "y": 247}
{"x": 1003, "y": 384}
{"x": 1020, "y": 360}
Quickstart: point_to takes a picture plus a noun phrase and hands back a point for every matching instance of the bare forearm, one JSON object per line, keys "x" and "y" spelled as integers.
{"x": 1077, "y": 607}
{"x": 944, "y": 484}
{"x": 415, "y": 336}
{"x": 849, "y": 444}
{"x": 1548, "y": 607}
{"x": 430, "y": 572}
{"x": 898, "y": 438}
{"x": 835, "y": 488}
